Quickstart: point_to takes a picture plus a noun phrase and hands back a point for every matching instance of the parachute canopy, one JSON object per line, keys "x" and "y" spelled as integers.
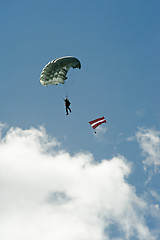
{"x": 95, "y": 123}
{"x": 55, "y": 71}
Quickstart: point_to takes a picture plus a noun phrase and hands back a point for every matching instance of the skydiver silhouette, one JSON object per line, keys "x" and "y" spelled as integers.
{"x": 67, "y": 104}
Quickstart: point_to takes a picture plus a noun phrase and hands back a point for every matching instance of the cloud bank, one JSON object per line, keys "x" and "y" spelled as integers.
{"x": 46, "y": 194}
{"x": 149, "y": 141}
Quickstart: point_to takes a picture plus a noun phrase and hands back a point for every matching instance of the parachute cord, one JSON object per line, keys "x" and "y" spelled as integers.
{"x": 69, "y": 82}
{"x": 64, "y": 90}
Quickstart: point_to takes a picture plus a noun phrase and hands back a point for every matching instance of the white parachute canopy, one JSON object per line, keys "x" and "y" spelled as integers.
{"x": 55, "y": 71}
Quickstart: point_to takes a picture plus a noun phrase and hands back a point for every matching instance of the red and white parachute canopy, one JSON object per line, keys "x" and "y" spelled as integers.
{"x": 95, "y": 123}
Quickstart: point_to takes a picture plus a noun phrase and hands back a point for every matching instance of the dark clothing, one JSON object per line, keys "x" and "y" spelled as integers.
{"x": 67, "y": 104}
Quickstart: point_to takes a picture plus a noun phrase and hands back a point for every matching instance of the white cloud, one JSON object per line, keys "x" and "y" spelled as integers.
{"x": 140, "y": 113}
{"x": 149, "y": 141}
{"x": 47, "y": 194}
{"x": 155, "y": 195}
{"x": 2, "y": 126}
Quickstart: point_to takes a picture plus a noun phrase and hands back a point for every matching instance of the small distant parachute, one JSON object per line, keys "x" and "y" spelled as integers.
{"x": 55, "y": 71}
{"x": 95, "y": 123}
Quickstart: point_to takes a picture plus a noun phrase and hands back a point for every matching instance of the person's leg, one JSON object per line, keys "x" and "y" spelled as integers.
{"x": 66, "y": 110}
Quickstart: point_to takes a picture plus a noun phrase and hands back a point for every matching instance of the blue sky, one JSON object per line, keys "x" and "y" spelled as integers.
{"x": 117, "y": 43}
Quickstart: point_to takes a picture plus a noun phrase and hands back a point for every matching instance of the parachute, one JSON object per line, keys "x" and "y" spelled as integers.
{"x": 95, "y": 123}
{"x": 55, "y": 71}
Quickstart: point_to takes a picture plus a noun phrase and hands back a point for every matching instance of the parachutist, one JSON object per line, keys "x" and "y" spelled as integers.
{"x": 67, "y": 104}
